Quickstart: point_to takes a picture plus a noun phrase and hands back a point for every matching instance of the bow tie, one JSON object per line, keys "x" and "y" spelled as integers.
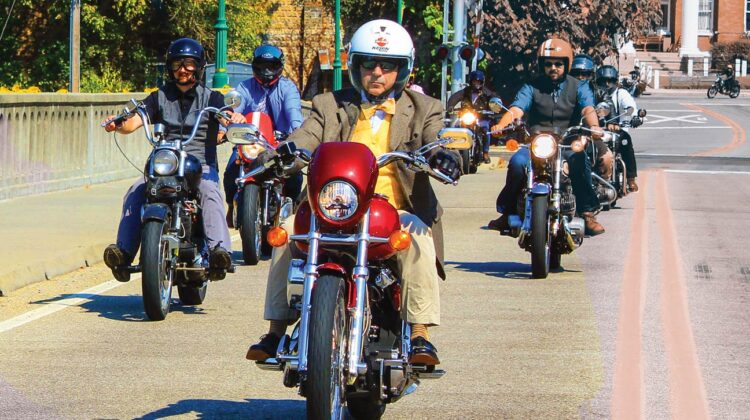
{"x": 388, "y": 106}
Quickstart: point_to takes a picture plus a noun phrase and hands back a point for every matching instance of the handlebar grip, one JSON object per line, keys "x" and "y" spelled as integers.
{"x": 118, "y": 120}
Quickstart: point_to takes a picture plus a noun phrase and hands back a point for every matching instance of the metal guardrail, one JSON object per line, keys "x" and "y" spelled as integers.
{"x": 52, "y": 142}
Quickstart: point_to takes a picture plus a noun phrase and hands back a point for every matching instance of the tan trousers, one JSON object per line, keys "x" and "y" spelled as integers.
{"x": 420, "y": 294}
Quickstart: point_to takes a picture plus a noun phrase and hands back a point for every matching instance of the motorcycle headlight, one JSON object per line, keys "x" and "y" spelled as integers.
{"x": 543, "y": 146}
{"x": 337, "y": 200}
{"x": 251, "y": 151}
{"x": 165, "y": 162}
{"x": 468, "y": 118}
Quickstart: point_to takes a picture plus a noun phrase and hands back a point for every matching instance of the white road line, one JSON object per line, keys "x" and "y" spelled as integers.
{"x": 58, "y": 305}
{"x": 691, "y": 127}
{"x": 688, "y": 171}
{"x": 714, "y": 104}
{"x": 672, "y": 110}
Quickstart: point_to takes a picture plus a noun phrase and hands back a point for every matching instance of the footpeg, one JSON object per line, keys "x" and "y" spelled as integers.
{"x": 269, "y": 364}
{"x": 427, "y": 372}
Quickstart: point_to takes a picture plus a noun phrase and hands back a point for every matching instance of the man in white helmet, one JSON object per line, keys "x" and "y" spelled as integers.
{"x": 380, "y": 113}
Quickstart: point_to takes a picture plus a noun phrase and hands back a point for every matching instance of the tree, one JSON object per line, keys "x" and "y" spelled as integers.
{"x": 513, "y": 30}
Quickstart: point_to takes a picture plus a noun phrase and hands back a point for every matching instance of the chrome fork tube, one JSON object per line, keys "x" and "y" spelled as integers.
{"x": 359, "y": 276}
{"x": 311, "y": 275}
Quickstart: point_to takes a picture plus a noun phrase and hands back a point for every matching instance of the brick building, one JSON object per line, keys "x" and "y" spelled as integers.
{"x": 301, "y": 28}
{"x": 717, "y": 21}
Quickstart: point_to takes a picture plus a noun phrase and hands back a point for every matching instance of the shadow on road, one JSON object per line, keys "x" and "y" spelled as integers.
{"x": 118, "y": 308}
{"x": 220, "y": 409}
{"x": 502, "y": 269}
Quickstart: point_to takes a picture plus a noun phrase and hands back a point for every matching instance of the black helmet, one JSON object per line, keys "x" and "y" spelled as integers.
{"x": 476, "y": 75}
{"x": 268, "y": 64}
{"x": 582, "y": 64}
{"x": 606, "y": 77}
{"x": 186, "y": 48}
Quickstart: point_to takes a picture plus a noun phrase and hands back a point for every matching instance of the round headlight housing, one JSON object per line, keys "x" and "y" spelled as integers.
{"x": 543, "y": 146}
{"x": 165, "y": 162}
{"x": 250, "y": 152}
{"x": 468, "y": 118}
{"x": 337, "y": 200}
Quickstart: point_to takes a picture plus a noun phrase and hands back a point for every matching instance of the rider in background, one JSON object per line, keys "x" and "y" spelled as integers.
{"x": 727, "y": 76}
{"x": 553, "y": 101}
{"x": 620, "y": 100}
{"x": 475, "y": 97}
{"x": 271, "y": 93}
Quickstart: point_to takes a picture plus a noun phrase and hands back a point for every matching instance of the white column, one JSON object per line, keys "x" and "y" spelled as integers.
{"x": 689, "y": 35}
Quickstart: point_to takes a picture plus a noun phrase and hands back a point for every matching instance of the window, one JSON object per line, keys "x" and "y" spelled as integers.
{"x": 705, "y": 15}
{"x": 747, "y": 16}
{"x": 666, "y": 21}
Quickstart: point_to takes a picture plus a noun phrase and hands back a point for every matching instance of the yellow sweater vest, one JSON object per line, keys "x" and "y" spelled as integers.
{"x": 379, "y": 143}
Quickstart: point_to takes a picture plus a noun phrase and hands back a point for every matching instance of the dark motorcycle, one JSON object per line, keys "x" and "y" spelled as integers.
{"x": 546, "y": 224}
{"x": 258, "y": 203}
{"x": 350, "y": 348}
{"x": 731, "y": 89}
{"x": 614, "y": 187}
{"x": 634, "y": 84}
{"x": 174, "y": 250}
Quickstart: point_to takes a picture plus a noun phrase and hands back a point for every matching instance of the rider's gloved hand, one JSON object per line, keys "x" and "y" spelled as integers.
{"x": 636, "y": 121}
{"x": 446, "y": 163}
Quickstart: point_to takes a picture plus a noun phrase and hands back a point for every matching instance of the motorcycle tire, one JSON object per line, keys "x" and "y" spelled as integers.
{"x": 465, "y": 161}
{"x": 712, "y": 91}
{"x": 191, "y": 295}
{"x": 251, "y": 226}
{"x": 364, "y": 408}
{"x": 156, "y": 281}
{"x": 540, "y": 240}
{"x": 325, "y": 388}
{"x": 554, "y": 260}
{"x": 735, "y": 92}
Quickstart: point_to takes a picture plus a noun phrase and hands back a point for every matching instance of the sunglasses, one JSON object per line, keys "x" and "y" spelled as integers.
{"x": 549, "y": 64}
{"x": 188, "y": 63}
{"x": 386, "y": 66}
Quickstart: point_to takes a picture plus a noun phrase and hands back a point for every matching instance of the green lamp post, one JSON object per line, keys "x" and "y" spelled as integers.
{"x": 400, "y": 13}
{"x": 221, "y": 78}
{"x": 337, "y": 47}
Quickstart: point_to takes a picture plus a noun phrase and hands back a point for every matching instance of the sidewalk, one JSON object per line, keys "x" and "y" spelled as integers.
{"x": 46, "y": 235}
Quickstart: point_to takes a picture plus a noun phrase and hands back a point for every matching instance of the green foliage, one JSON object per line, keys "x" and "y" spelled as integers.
{"x": 513, "y": 30}
{"x": 725, "y": 53}
{"x": 122, "y": 41}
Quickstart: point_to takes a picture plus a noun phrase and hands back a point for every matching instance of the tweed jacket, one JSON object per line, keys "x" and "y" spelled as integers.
{"x": 417, "y": 121}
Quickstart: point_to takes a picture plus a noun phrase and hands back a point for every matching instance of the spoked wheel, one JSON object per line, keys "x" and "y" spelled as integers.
{"x": 540, "y": 243}
{"x": 712, "y": 91}
{"x": 326, "y": 396}
{"x": 735, "y": 92}
{"x": 157, "y": 275}
{"x": 191, "y": 295}
{"x": 251, "y": 224}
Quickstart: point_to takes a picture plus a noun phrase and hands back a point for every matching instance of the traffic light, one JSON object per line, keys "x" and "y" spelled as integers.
{"x": 442, "y": 52}
{"x": 466, "y": 52}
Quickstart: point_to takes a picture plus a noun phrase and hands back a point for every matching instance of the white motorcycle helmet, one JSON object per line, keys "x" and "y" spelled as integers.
{"x": 381, "y": 38}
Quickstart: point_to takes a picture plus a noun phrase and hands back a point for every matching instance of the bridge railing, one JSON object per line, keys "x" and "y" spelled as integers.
{"x": 51, "y": 142}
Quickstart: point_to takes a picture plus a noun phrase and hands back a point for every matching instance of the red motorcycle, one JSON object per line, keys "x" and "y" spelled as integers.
{"x": 350, "y": 348}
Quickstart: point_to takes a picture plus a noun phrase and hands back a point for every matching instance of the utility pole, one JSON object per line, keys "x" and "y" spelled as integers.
{"x": 75, "y": 46}
{"x": 459, "y": 37}
{"x": 400, "y": 12}
{"x": 221, "y": 78}
{"x": 337, "y": 47}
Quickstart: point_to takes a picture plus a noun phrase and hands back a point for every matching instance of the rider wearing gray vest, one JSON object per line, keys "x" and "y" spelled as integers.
{"x": 176, "y": 105}
{"x": 552, "y": 102}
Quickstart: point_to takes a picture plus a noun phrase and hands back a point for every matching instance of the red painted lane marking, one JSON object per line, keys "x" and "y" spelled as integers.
{"x": 627, "y": 392}
{"x": 686, "y": 389}
{"x": 739, "y": 135}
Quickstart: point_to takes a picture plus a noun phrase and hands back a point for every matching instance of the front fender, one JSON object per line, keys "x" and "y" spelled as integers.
{"x": 155, "y": 211}
{"x": 540, "y": 189}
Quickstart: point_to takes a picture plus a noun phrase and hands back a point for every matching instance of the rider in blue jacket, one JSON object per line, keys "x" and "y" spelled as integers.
{"x": 269, "y": 92}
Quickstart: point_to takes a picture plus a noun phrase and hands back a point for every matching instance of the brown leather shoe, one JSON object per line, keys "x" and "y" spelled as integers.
{"x": 632, "y": 186}
{"x": 500, "y": 224}
{"x": 593, "y": 227}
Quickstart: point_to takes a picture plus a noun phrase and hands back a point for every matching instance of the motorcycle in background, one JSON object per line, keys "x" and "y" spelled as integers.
{"x": 258, "y": 203}
{"x": 349, "y": 350}
{"x": 174, "y": 250}
{"x": 721, "y": 86}
{"x": 478, "y": 122}
{"x": 546, "y": 225}
{"x": 635, "y": 85}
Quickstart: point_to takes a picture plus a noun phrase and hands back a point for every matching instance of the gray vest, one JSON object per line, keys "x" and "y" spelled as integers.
{"x": 550, "y": 115}
{"x": 180, "y": 126}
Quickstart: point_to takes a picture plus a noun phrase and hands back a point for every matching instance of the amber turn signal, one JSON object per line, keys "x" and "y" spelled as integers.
{"x": 277, "y": 237}
{"x": 511, "y": 145}
{"x": 399, "y": 240}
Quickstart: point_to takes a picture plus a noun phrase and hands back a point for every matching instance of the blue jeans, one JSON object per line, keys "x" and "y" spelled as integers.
{"x": 580, "y": 178}
{"x": 214, "y": 222}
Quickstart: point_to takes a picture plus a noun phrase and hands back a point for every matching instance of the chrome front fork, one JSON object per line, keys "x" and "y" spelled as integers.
{"x": 311, "y": 275}
{"x": 359, "y": 276}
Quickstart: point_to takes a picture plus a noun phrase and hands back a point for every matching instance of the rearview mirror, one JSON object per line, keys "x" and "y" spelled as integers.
{"x": 233, "y": 99}
{"x": 461, "y": 138}
{"x": 496, "y": 105}
{"x": 243, "y": 134}
{"x": 641, "y": 112}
